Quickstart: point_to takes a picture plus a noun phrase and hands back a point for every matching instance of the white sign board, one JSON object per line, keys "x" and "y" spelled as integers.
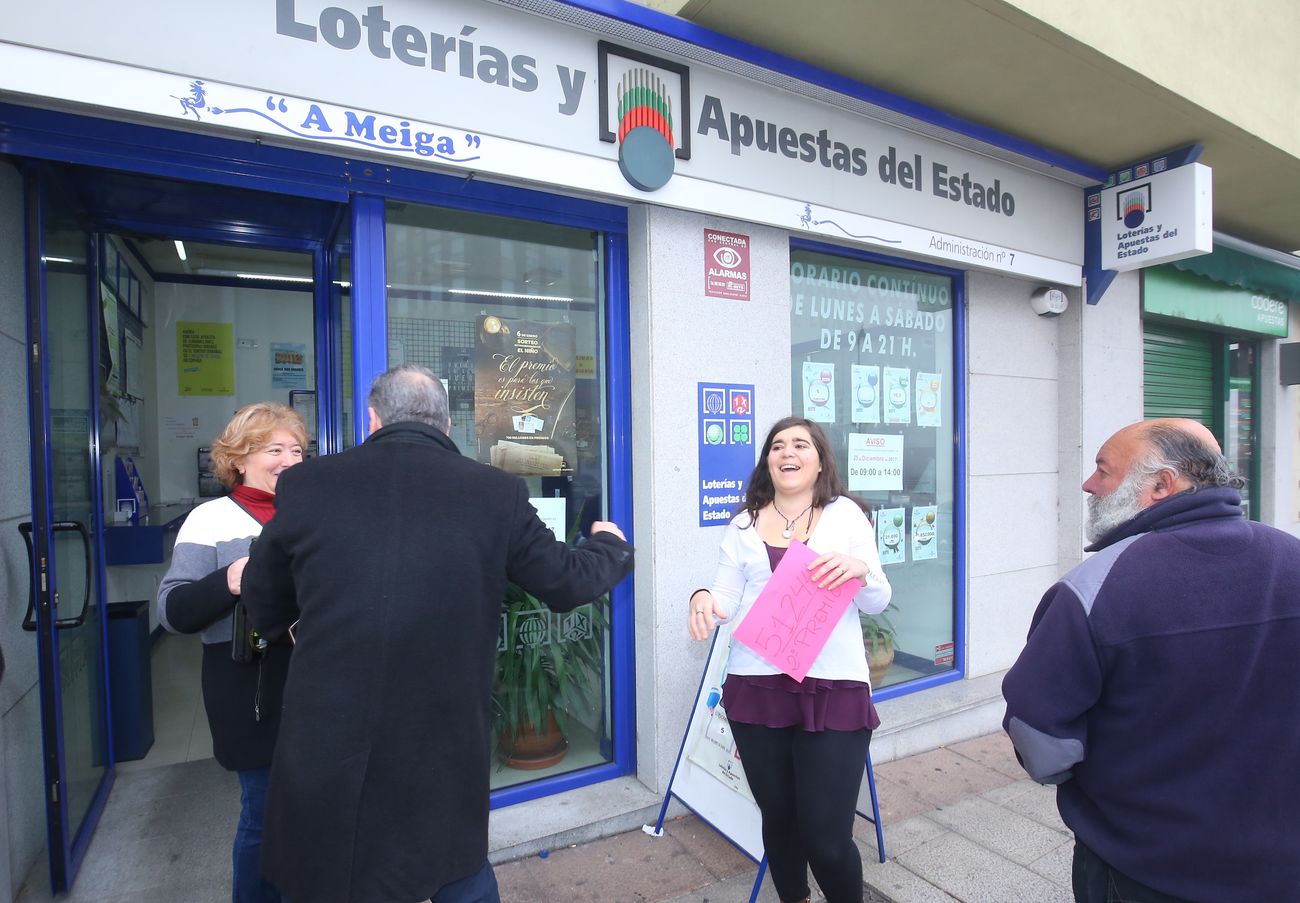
{"x": 1162, "y": 217}
{"x": 708, "y": 777}
{"x": 463, "y": 85}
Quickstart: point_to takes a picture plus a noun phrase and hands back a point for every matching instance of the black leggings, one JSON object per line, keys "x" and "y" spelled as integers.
{"x": 806, "y": 785}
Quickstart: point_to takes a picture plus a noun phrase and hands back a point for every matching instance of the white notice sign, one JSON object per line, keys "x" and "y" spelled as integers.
{"x": 552, "y": 513}
{"x": 875, "y": 462}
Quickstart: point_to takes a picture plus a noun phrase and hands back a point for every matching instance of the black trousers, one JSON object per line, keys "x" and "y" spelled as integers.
{"x": 1096, "y": 882}
{"x": 806, "y": 785}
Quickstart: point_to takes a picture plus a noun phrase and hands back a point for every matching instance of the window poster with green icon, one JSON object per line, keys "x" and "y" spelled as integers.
{"x": 726, "y": 430}
{"x": 872, "y": 350}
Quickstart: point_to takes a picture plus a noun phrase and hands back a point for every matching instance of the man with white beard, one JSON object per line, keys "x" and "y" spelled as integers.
{"x": 1157, "y": 688}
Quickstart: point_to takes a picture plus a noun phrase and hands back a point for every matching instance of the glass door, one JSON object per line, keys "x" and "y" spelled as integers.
{"x": 65, "y": 332}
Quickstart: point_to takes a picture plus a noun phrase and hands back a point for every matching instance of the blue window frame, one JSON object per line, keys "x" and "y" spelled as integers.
{"x": 44, "y": 134}
{"x": 843, "y": 302}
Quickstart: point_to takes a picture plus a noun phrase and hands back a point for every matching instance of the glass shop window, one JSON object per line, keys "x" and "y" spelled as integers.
{"x": 872, "y": 362}
{"x": 510, "y": 315}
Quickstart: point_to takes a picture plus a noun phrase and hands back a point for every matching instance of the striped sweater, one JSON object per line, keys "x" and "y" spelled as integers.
{"x": 193, "y": 596}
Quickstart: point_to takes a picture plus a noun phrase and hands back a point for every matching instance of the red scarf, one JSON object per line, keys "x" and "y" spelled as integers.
{"x": 257, "y": 502}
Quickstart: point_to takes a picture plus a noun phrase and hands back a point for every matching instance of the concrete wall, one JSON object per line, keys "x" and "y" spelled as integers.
{"x": 1219, "y": 37}
{"x": 22, "y": 813}
{"x": 681, "y": 339}
{"x": 1012, "y": 462}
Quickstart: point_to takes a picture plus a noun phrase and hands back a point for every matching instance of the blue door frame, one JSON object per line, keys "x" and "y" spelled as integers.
{"x": 66, "y": 841}
{"x": 56, "y": 136}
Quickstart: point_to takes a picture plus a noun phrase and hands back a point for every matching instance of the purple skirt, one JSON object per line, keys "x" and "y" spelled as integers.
{"x": 817, "y": 704}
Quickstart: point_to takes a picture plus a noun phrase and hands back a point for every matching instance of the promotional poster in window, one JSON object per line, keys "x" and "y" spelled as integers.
{"x": 523, "y": 395}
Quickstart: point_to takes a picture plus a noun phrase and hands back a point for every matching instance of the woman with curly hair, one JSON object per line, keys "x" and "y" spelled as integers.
{"x": 243, "y": 678}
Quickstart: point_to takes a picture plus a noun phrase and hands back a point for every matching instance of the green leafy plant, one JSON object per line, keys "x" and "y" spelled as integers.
{"x": 878, "y": 630}
{"x": 537, "y": 674}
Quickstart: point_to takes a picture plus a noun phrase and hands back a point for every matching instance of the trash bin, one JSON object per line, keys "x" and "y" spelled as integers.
{"x": 130, "y": 679}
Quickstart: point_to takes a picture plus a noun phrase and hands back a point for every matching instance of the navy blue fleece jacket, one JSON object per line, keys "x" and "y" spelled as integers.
{"x": 1159, "y": 689}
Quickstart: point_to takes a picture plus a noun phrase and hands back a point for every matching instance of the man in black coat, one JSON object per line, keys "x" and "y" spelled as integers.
{"x": 394, "y": 558}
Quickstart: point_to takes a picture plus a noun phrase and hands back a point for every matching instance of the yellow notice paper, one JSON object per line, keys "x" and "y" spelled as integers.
{"x": 205, "y": 359}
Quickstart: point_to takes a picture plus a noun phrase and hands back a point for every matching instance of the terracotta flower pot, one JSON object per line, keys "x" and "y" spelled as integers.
{"x": 879, "y": 662}
{"x": 528, "y": 750}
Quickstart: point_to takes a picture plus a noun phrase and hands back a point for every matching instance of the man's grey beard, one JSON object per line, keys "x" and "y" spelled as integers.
{"x": 1120, "y": 505}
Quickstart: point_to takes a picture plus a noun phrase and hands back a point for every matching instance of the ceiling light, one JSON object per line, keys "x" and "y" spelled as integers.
{"x": 180, "y": 250}
{"x": 56, "y": 260}
{"x": 271, "y": 277}
{"x": 484, "y": 294}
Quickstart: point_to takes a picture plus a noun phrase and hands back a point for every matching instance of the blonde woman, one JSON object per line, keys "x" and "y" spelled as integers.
{"x": 242, "y": 685}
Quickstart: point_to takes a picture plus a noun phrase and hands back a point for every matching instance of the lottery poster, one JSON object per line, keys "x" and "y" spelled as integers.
{"x": 819, "y": 391}
{"x": 925, "y": 532}
{"x": 866, "y": 394}
{"x": 898, "y": 395}
{"x": 929, "y": 398}
{"x": 890, "y": 531}
{"x": 523, "y": 395}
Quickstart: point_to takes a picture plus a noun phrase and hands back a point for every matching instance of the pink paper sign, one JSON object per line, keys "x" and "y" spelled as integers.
{"x": 792, "y": 618}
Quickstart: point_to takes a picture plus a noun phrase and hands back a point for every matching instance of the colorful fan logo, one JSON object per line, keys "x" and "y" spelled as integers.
{"x": 1134, "y": 205}
{"x": 645, "y": 130}
{"x": 1134, "y": 213}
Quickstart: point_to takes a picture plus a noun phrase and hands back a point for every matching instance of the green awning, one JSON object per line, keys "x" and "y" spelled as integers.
{"x": 1236, "y": 268}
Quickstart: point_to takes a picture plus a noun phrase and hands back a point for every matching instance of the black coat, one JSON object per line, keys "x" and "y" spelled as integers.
{"x": 397, "y": 554}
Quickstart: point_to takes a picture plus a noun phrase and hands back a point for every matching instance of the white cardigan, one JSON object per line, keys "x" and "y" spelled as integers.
{"x": 744, "y": 569}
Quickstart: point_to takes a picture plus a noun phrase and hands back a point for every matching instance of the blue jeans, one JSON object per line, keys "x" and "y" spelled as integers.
{"x": 248, "y": 886}
{"x": 480, "y": 887}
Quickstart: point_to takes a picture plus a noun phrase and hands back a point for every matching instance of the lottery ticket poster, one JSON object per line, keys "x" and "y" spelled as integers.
{"x": 819, "y": 391}
{"x": 925, "y": 532}
{"x": 866, "y": 394}
{"x": 898, "y": 395}
{"x": 929, "y": 399}
{"x": 890, "y": 533}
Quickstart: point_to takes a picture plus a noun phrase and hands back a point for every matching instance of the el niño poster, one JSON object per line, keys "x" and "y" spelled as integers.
{"x": 523, "y": 395}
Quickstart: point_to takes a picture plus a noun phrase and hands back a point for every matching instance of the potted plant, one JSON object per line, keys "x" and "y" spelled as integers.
{"x": 543, "y": 675}
{"x": 878, "y": 633}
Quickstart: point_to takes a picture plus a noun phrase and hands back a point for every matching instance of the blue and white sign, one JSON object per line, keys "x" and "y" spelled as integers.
{"x": 1158, "y": 217}
{"x": 726, "y": 429}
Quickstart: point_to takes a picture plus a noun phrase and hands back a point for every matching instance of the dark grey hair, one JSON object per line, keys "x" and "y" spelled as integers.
{"x": 409, "y": 392}
{"x": 1188, "y": 456}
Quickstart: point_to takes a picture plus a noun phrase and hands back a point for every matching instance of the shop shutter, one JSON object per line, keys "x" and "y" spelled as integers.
{"x": 1178, "y": 367}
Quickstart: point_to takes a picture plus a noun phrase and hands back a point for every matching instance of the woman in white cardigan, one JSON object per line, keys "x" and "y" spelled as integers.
{"x": 803, "y": 744}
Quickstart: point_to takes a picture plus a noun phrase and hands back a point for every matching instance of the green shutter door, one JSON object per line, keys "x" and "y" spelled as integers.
{"x": 1178, "y": 367}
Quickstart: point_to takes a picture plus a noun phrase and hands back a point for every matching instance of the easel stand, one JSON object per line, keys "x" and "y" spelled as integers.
{"x": 704, "y": 795}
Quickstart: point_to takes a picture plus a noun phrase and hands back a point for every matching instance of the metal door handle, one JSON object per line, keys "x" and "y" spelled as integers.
{"x": 63, "y": 526}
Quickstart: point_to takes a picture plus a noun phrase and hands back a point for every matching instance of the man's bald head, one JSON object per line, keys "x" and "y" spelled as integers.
{"x": 1147, "y": 462}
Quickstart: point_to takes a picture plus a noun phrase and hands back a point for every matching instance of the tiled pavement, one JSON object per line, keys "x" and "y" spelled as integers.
{"x": 961, "y": 823}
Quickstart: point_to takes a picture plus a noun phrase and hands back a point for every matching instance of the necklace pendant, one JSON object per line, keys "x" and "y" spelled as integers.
{"x": 787, "y": 533}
